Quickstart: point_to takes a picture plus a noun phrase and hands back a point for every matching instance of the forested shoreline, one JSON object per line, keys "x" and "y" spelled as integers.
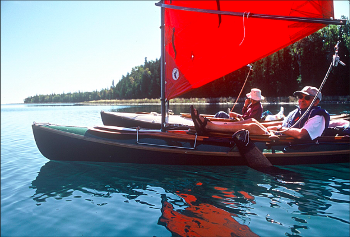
{"x": 303, "y": 63}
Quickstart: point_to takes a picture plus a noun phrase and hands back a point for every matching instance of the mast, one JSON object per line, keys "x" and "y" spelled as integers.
{"x": 162, "y": 69}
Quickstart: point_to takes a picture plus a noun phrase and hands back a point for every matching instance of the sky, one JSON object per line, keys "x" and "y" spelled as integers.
{"x": 69, "y": 46}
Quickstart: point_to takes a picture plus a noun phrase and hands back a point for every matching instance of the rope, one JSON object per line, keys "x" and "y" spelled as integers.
{"x": 313, "y": 101}
{"x": 242, "y": 87}
{"x": 333, "y": 63}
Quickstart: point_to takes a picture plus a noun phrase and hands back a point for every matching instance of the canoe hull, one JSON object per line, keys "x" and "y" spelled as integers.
{"x": 58, "y": 145}
{"x": 171, "y": 149}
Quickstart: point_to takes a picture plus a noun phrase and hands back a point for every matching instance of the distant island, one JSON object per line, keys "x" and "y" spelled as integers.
{"x": 278, "y": 75}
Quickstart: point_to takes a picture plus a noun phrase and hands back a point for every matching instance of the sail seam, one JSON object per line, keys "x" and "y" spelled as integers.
{"x": 173, "y": 42}
{"x": 218, "y": 5}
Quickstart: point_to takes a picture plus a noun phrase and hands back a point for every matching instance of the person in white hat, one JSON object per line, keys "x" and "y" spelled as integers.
{"x": 311, "y": 126}
{"x": 252, "y": 107}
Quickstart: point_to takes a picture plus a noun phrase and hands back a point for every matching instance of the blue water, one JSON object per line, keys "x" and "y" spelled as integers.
{"x": 49, "y": 198}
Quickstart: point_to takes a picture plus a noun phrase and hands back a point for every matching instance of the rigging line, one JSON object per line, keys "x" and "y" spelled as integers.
{"x": 334, "y": 63}
{"x": 242, "y": 87}
{"x": 244, "y": 27}
{"x": 315, "y": 97}
{"x": 313, "y": 101}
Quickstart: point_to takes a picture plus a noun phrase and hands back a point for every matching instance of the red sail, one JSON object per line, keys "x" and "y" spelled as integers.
{"x": 202, "y": 47}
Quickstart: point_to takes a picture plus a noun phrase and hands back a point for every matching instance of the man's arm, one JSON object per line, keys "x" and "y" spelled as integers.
{"x": 299, "y": 133}
{"x": 313, "y": 128}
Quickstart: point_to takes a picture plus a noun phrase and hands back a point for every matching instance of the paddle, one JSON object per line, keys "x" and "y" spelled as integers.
{"x": 254, "y": 157}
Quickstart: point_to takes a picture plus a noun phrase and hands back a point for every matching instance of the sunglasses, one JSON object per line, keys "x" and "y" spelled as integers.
{"x": 306, "y": 97}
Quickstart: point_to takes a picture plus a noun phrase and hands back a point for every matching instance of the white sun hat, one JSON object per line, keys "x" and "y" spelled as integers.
{"x": 255, "y": 94}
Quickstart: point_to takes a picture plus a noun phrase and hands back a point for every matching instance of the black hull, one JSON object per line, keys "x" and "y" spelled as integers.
{"x": 122, "y": 148}
{"x": 57, "y": 145}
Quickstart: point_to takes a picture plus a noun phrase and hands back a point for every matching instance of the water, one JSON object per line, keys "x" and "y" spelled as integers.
{"x": 49, "y": 198}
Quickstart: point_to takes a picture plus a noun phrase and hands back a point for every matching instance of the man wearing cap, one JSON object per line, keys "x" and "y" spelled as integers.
{"x": 311, "y": 125}
{"x": 252, "y": 107}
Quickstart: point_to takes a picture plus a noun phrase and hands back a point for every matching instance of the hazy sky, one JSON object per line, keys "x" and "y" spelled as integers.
{"x": 69, "y": 46}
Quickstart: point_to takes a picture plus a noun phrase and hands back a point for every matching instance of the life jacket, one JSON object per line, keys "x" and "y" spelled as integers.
{"x": 295, "y": 115}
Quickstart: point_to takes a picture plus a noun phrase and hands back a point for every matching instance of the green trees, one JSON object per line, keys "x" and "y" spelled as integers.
{"x": 280, "y": 74}
{"x": 142, "y": 82}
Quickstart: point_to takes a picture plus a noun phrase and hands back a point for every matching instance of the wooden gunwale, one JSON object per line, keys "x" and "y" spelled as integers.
{"x": 211, "y": 116}
{"x": 184, "y": 135}
{"x": 187, "y": 115}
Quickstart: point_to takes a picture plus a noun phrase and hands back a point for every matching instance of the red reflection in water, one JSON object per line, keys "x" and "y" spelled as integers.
{"x": 229, "y": 194}
{"x": 201, "y": 220}
{"x": 220, "y": 188}
{"x": 247, "y": 196}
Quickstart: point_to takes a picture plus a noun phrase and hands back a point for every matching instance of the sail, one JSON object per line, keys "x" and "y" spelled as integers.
{"x": 201, "y": 47}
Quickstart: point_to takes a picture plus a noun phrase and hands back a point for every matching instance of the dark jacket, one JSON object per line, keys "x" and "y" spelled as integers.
{"x": 252, "y": 111}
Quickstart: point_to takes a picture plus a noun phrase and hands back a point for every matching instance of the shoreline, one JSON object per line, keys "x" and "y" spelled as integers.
{"x": 186, "y": 101}
{"x": 221, "y": 100}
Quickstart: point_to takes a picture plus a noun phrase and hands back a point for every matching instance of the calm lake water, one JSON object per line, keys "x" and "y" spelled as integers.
{"x": 49, "y": 198}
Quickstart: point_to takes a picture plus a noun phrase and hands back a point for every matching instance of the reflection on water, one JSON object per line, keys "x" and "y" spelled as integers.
{"x": 201, "y": 219}
{"x": 196, "y": 200}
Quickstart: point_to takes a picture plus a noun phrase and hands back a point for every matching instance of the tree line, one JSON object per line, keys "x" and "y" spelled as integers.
{"x": 303, "y": 63}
